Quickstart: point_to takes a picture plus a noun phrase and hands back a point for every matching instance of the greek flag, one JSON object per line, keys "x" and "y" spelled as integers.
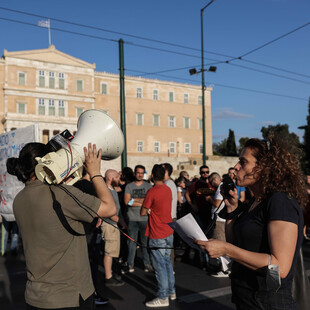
{"x": 44, "y": 23}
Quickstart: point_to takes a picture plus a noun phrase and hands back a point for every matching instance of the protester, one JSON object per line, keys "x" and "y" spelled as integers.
{"x": 266, "y": 231}
{"x": 197, "y": 195}
{"x": 110, "y": 232}
{"x": 157, "y": 204}
{"x": 134, "y": 196}
{"x": 57, "y": 262}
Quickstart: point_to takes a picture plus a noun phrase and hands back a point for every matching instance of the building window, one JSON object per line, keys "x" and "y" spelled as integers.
{"x": 199, "y": 123}
{"x": 140, "y": 146}
{"x": 172, "y": 121}
{"x": 139, "y": 92}
{"x": 51, "y": 107}
{"x": 21, "y": 108}
{"x": 201, "y": 148}
{"x": 156, "y": 147}
{"x": 21, "y": 78}
{"x": 156, "y": 120}
{"x": 61, "y": 81}
{"x": 41, "y": 106}
{"x": 200, "y": 100}
{"x": 41, "y": 78}
{"x": 61, "y": 108}
{"x": 104, "y": 88}
{"x": 187, "y": 148}
{"x": 172, "y": 147}
{"x": 187, "y": 122}
{"x": 171, "y": 96}
{"x": 185, "y": 98}
{"x": 79, "y": 111}
{"x": 140, "y": 119}
{"x": 155, "y": 94}
{"x": 51, "y": 83}
{"x": 79, "y": 85}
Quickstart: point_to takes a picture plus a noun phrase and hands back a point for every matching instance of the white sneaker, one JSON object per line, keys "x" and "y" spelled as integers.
{"x": 131, "y": 269}
{"x": 172, "y": 296}
{"x": 220, "y": 274}
{"x": 157, "y": 302}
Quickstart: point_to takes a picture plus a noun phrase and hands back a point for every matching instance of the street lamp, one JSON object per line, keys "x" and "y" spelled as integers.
{"x": 202, "y": 71}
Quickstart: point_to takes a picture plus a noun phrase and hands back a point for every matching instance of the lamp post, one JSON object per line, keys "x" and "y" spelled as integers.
{"x": 194, "y": 71}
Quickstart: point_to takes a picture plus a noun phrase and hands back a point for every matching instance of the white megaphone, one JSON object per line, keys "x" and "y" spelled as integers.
{"x": 94, "y": 126}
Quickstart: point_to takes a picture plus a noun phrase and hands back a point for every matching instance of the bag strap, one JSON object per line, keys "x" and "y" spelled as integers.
{"x": 57, "y": 208}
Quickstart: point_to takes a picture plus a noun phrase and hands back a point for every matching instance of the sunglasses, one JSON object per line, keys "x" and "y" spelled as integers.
{"x": 204, "y": 172}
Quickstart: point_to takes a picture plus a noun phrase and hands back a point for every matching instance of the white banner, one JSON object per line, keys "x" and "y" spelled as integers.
{"x": 10, "y": 145}
{"x": 44, "y": 23}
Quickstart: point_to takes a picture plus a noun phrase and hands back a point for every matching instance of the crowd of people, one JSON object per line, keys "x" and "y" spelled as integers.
{"x": 258, "y": 223}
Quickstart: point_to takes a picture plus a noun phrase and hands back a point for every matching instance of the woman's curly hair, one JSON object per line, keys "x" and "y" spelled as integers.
{"x": 278, "y": 168}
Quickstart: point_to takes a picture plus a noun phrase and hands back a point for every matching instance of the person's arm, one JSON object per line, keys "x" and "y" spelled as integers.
{"x": 144, "y": 211}
{"x": 242, "y": 196}
{"x": 92, "y": 165}
{"x": 180, "y": 200}
{"x": 282, "y": 239}
{"x": 137, "y": 202}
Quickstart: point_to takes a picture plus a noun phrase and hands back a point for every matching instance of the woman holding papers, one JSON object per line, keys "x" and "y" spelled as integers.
{"x": 264, "y": 236}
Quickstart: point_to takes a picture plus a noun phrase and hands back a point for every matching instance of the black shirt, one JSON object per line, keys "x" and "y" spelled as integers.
{"x": 250, "y": 233}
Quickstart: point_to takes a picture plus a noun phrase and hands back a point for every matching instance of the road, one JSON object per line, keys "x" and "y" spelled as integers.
{"x": 194, "y": 287}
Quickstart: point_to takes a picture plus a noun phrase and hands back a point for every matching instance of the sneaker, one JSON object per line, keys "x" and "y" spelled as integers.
{"x": 131, "y": 269}
{"x": 148, "y": 268}
{"x": 101, "y": 301}
{"x": 173, "y": 296}
{"x": 158, "y": 302}
{"x": 114, "y": 282}
{"x": 220, "y": 274}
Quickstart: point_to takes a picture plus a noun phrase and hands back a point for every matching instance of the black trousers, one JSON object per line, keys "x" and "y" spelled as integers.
{"x": 87, "y": 304}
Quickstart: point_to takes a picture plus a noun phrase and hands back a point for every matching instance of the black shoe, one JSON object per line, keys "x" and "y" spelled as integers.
{"x": 114, "y": 282}
{"x": 101, "y": 301}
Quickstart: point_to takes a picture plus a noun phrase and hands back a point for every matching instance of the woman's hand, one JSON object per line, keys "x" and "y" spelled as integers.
{"x": 231, "y": 201}
{"x": 214, "y": 248}
{"x": 92, "y": 160}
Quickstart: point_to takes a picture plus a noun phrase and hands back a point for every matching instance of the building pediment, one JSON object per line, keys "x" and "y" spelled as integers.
{"x": 50, "y": 55}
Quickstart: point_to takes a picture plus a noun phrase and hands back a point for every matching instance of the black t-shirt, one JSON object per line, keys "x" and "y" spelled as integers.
{"x": 250, "y": 232}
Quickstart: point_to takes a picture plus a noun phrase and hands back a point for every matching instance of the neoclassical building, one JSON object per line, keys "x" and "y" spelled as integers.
{"x": 51, "y": 88}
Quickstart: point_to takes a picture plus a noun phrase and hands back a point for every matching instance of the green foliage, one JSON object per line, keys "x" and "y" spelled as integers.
{"x": 226, "y": 147}
{"x": 231, "y": 144}
{"x": 281, "y": 131}
{"x": 242, "y": 142}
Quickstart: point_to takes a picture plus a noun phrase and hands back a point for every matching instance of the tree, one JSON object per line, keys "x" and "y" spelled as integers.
{"x": 242, "y": 142}
{"x": 281, "y": 131}
{"x": 305, "y": 163}
{"x": 226, "y": 147}
{"x": 231, "y": 148}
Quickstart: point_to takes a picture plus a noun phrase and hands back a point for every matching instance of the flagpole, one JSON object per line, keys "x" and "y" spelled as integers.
{"x": 49, "y": 33}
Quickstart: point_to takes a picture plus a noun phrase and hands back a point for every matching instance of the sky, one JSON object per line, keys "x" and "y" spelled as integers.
{"x": 269, "y": 85}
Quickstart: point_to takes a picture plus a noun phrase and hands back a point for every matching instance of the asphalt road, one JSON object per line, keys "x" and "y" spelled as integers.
{"x": 194, "y": 287}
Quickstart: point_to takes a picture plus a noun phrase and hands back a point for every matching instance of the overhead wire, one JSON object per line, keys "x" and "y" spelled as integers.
{"x": 164, "y": 50}
{"x": 232, "y": 58}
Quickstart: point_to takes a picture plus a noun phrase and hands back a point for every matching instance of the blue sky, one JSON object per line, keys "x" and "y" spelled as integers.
{"x": 231, "y": 28}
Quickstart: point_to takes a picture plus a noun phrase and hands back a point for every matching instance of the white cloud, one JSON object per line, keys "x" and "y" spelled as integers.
{"x": 227, "y": 113}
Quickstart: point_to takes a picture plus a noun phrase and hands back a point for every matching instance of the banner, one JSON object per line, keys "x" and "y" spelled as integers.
{"x": 10, "y": 145}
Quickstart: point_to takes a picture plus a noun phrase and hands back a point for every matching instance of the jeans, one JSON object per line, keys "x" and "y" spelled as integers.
{"x": 133, "y": 229}
{"x": 162, "y": 265}
{"x": 8, "y": 227}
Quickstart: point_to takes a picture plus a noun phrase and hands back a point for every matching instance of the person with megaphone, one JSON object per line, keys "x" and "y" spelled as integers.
{"x": 57, "y": 262}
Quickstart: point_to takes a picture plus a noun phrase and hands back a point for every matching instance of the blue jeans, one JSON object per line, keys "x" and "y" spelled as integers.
{"x": 133, "y": 229}
{"x": 7, "y": 228}
{"x": 163, "y": 266}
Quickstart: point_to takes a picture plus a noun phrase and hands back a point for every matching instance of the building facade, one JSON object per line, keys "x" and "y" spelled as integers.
{"x": 51, "y": 88}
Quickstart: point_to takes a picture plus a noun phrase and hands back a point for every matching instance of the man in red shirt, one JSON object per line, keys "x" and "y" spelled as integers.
{"x": 157, "y": 204}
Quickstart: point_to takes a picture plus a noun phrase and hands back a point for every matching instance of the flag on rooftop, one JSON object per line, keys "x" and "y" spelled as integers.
{"x": 44, "y": 23}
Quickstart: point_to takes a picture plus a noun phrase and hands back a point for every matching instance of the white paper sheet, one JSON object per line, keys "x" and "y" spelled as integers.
{"x": 189, "y": 230}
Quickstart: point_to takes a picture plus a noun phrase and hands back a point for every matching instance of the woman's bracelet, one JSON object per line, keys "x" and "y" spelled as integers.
{"x": 95, "y": 176}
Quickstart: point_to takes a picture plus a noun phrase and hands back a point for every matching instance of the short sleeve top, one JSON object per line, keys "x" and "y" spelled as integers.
{"x": 250, "y": 232}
